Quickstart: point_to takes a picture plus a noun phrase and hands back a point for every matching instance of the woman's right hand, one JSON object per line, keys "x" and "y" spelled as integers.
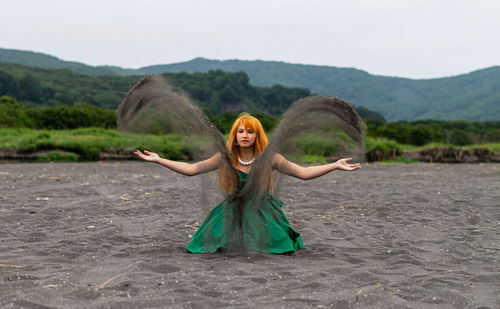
{"x": 148, "y": 156}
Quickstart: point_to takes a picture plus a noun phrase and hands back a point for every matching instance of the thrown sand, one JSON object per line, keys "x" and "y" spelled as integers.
{"x": 112, "y": 235}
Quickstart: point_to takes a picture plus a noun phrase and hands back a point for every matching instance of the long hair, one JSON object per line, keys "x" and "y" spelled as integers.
{"x": 260, "y": 144}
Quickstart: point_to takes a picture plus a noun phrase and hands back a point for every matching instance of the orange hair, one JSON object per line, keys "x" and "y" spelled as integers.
{"x": 260, "y": 144}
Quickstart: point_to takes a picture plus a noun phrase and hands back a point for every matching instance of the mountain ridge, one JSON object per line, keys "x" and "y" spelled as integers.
{"x": 471, "y": 96}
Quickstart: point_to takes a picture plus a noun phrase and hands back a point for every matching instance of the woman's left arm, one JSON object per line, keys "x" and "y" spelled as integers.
{"x": 284, "y": 166}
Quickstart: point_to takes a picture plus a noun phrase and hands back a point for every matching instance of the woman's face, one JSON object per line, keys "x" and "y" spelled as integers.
{"x": 245, "y": 136}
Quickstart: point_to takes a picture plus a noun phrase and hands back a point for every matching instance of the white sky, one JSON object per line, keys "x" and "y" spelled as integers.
{"x": 406, "y": 38}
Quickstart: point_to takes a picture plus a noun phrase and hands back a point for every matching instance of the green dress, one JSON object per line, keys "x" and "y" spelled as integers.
{"x": 264, "y": 228}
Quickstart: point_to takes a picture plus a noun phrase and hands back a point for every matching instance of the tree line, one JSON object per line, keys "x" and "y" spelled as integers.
{"x": 215, "y": 91}
{"x": 421, "y": 132}
{"x": 80, "y": 115}
{"x": 14, "y": 114}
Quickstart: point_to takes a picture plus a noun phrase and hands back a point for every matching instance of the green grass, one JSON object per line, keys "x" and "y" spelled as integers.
{"x": 309, "y": 159}
{"x": 309, "y": 145}
{"x": 319, "y": 145}
{"x": 89, "y": 142}
{"x": 495, "y": 147}
{"x": 55, "y": 156}
{"x": 400, "y": 160}
{"x": 378, "y": 149}
{"x": 383, "y": 143}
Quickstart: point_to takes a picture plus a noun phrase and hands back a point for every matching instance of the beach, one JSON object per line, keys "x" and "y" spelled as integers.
{"x": 112, "y": 234}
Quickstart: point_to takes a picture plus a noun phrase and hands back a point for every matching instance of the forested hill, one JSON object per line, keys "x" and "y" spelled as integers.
{"x": 473, "y": 96}
{"x": 214, "y": 91}
{"x": 33, "y": 59}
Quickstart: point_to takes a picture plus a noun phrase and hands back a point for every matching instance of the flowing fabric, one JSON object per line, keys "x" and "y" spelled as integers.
{"x": 263, "y": 228}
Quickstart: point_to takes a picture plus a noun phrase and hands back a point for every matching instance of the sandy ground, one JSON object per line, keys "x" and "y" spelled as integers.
{"x": 112, "y": 235}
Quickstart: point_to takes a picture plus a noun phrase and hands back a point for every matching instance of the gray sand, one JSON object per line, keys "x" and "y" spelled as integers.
{"x": 112, "y": 235}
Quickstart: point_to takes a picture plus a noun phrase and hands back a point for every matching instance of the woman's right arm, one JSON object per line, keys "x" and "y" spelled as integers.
{"x": 188, "y": 169}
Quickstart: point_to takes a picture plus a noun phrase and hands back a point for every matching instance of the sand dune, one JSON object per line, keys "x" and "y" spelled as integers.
{"x": 112, "y": 235}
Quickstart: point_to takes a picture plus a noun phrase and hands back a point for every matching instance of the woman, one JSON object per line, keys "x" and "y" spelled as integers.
{"x": 229, "y": 227}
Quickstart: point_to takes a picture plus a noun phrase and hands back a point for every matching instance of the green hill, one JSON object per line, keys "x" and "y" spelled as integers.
{"x": 40, "y": 60}
{"x": 214, "y": 91}
{"x": 473, "y": 96}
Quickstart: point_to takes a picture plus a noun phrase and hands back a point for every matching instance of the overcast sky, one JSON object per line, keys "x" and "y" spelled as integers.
{"x": 406, "y": 38}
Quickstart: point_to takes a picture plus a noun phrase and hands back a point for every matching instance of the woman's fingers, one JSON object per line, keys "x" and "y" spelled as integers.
{"x": 147, "y": 156}
{"x": 349, "y": 167}
{"x": 141, "y": 155}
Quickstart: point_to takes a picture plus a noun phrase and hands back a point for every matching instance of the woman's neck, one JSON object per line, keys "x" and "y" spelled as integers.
{"x": 247, "y": 154}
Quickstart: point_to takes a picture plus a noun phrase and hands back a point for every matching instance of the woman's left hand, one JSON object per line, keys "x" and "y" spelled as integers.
{"x": 148, "y": 156}
{"x": 344, "y": 166}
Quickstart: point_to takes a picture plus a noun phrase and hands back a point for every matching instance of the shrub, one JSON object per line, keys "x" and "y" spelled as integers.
{"x": 419, "y": 136}
{"x": 459, "y": 138}
{"x": 381, "y": 149}
{"x": 492, "y": 136}
{"x": 309, "y": 144}
{"x": 310, "y": 159}
{"x": 58, "y": 156}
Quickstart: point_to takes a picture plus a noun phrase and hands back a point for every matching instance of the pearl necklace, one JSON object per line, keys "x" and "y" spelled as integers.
{"x": 245, "y": 163}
